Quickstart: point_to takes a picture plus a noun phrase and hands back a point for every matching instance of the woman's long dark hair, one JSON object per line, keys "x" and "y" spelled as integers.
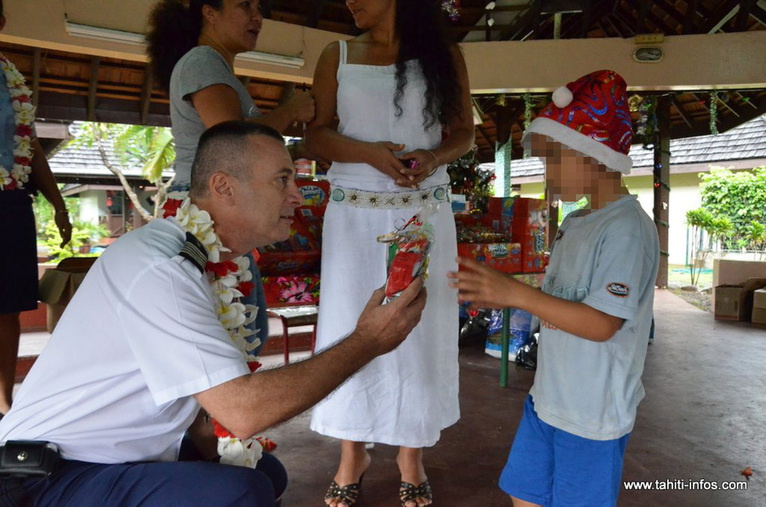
{"x": 423, "y": 37}
{"x": 174, "y": 29}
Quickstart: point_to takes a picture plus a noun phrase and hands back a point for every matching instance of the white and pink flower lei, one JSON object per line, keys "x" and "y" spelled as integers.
{"x": 230, "y": 282}
{"x": 24, "y": 115}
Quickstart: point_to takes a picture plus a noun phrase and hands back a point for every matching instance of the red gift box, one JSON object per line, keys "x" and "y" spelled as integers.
{"x": 316, "y": 194}
{"x": 505, "y": 257}
{"x": 291, "y": 290}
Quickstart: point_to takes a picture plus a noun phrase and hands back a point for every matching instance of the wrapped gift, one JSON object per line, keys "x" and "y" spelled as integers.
{"x": 291, "y": 290}
{"x": 408, "y": 250}
{"x": 505, "y": 257}
{"x": 530, "y": 225}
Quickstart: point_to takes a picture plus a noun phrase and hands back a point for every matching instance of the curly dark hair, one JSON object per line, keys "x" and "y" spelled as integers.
{"x": 174, "y": 29}
{"x": 423, "y": 37}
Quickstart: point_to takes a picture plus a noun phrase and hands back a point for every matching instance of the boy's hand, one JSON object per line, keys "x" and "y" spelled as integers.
{"x": 482, "y": 286}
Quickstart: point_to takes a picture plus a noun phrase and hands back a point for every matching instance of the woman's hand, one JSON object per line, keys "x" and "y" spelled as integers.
{"x": 61, "y": 217}
{"x": 382, "y": 156}
{"x": 301, "y": 106}
{"x": 419, "y": 165}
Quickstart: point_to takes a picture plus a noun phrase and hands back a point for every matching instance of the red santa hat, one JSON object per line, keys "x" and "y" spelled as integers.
{"x": 590, "y": 115}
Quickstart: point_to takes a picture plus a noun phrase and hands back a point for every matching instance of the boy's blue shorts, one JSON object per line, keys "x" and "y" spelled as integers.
{"x": 548, "y": 466}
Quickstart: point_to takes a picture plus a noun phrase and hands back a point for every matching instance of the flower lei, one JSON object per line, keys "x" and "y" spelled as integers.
{"x": 230, "y": 281}
{"x": 24, "y": 114}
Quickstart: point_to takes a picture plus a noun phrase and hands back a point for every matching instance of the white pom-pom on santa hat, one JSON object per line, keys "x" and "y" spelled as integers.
{"x": 562, "y": 97}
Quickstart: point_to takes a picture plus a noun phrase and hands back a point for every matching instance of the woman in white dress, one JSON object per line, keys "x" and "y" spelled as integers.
{"x": 400, "y": 92}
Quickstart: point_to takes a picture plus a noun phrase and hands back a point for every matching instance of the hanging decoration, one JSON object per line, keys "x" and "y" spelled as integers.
{"x": 714, "y": 113}
{"x": 468, "y": 179}
{"x": 451, "y": 8}
{"x": 646, "y": 127}
{"x": 527, "y": 110}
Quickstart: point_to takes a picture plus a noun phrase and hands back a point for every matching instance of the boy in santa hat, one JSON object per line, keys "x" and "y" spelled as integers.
{"x": 595, "y": 306}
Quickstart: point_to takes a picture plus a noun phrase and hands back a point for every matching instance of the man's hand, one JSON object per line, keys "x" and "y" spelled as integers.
{"x": 64, "y": 226}
{"x": 384, "y": 327}
{"x": 484, "y": 287}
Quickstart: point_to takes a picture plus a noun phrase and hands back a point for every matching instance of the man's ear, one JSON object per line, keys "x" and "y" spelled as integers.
{"x": 222, "y": 188}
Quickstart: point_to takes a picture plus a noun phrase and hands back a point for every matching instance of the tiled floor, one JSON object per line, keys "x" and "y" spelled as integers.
{"x": 704, "y": 417}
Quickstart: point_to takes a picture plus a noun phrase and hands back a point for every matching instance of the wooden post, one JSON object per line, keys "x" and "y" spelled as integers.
{"x": 662, "y": 185}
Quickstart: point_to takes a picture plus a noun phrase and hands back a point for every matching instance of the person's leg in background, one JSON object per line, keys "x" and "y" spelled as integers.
{"x": 10, "y": 331}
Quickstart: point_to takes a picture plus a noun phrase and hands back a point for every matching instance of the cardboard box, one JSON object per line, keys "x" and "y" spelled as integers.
{"x": 316, "y": 193}
{"x": 57, "y": 286}
{"x": 729, "y": 272}
{"x": 759, "y": 316}
{"x": 505, "y": 257}
{"x": 735, "y": 302}
{"x": 759, "y": 298}
{"x": 291, "y": 290}
{"x": 727, "y": 301}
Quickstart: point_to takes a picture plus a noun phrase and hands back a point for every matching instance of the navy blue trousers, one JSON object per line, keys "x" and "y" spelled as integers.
{"x": 180, "y": 483}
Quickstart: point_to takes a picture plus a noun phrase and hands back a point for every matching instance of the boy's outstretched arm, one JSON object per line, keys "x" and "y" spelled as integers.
{"x": 485, "y": 287}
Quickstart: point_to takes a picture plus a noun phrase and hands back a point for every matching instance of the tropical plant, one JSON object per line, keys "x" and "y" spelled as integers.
{"x": 717, "y": 230}
{"x": 83, "y": 233}
{"x": 151, "y": 148}
{"x": 739, "y": 196}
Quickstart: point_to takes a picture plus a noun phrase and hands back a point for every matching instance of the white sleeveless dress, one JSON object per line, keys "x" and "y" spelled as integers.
{"x": 409, "y": 395}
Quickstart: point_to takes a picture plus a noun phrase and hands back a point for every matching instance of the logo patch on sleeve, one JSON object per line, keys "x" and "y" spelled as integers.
{"x": 618, "y": 289}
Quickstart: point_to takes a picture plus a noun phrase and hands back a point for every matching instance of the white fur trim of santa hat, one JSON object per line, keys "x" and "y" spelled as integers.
{"x": 613, "y": 160}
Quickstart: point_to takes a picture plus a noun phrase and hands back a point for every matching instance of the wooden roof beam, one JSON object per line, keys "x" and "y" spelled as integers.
{"x": 93, "y": 88}
{"x": 680, "y": 110}
{"x": 690, "y": 19}
{"x": 36, "y": 61}
{"x": 759, "y": 14}
{"x": 745, "y": 8}
{"x": 722, "y": 15}
{"x": 745, "y": 116}
{"x": 146, "y": 94}
{"x": 315, "y": 8}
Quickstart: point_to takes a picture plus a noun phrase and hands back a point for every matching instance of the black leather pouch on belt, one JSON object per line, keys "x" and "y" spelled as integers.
{"x": 28, "y": 458}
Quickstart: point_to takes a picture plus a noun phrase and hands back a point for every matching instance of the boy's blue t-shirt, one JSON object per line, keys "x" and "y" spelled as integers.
{"x": 607, "y": 259}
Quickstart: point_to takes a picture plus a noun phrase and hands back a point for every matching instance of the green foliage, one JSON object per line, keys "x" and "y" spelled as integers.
{"x": 44, "y": 212}
{"x": 151, "y": 147}
{"x": 738, "y": 196}
{"x": 718, "y": 229}
{"x": 82, "y": 233}
{"x": 476, "y": 184}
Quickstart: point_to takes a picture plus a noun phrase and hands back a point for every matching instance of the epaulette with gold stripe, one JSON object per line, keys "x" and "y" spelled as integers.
{"x": 195, "y": 251}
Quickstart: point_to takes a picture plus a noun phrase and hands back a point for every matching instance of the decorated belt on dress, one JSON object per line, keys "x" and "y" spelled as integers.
{"x": 389, "y": 200}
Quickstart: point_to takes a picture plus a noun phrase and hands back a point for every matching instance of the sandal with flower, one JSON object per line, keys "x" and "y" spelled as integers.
{"x": 408, "y": 492}
{"x": 346, "y": 494}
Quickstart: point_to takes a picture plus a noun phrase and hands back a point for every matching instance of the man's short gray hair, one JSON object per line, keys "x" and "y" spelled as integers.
{"x": 223, "y": 147}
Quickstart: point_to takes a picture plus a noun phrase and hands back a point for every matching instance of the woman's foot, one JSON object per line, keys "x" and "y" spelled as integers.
{"x": 354, "y": 461}
{"x": 414, "y": 491}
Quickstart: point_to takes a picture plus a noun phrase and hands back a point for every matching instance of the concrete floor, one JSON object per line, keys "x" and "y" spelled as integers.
{"x": 704, "y": 417}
